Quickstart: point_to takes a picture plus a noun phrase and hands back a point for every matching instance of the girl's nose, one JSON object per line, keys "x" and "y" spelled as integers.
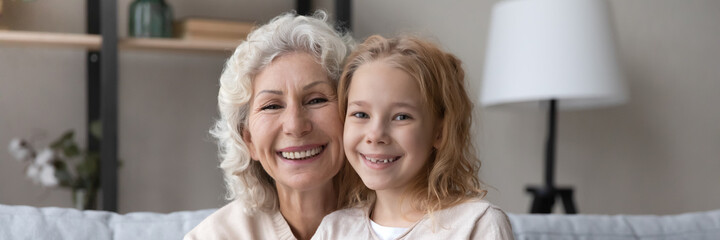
{"x": 377, "y": 134}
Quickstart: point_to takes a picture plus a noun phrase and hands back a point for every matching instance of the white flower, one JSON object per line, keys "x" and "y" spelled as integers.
{"x": 45, "y": 157}
{"x": 20, "y": 149}
{"x": 47, "y": 176}
{"x": 33, "y": 172}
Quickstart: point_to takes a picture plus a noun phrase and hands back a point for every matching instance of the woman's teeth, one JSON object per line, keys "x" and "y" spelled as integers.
{"x": 302, "y": 154}
{"x": 378, "y": 160}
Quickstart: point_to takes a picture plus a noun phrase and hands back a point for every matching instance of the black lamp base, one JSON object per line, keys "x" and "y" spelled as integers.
{"x": 544, "y": 199}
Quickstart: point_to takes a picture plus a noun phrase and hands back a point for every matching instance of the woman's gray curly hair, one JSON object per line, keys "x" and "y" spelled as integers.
{"x": 245, "y": 179}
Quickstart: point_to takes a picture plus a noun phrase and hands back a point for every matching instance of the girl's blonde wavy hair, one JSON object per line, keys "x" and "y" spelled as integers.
{"x": 450, "y": 176}
{"x": 245, "y": 179}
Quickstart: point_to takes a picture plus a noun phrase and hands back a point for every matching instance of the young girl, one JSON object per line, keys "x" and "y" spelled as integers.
{"x": 407, "y": 124}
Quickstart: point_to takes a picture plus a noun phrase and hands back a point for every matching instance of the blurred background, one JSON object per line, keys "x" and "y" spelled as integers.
{"x": 657, "y": 154}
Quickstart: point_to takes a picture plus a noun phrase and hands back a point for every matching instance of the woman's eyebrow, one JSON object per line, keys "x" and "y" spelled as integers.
{"x": 315, "y": 83}
{"x": 276, "y": 92}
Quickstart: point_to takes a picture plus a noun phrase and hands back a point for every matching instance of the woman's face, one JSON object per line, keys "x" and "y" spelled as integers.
{"x": 294, "y": 129}
{"x": 389, "y": 131}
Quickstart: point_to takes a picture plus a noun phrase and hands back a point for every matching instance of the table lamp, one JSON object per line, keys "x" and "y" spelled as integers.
{"x": 560, "y": 52}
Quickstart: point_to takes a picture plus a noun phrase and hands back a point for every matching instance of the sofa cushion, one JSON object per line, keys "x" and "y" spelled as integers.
{"x": 24, "y": 222}
{"x": 695, "y": 226}
{"x": 146, "y": 225}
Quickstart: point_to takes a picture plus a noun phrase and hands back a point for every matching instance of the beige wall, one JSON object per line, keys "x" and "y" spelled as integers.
{"x": 167, "y": 104}
{"x": 658, "y": 154}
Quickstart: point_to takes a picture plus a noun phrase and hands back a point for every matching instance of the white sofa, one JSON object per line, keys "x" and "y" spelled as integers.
{"x": 688, "y": 226}
{"x": 23, "y": 222}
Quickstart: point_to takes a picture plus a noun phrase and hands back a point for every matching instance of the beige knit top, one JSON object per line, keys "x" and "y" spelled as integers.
{"x": 231, "y": 222}
{"x": 475, "y": 219}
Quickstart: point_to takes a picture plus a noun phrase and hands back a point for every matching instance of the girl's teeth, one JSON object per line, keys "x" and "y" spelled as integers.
{"x": 301, "y": 154}
{"x": 376, "y": 160}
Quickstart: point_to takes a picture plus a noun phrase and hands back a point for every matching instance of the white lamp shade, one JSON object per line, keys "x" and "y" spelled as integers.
{"x": 552, "y": 49}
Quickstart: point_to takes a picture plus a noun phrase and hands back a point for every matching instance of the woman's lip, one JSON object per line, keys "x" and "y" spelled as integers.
{"x": 300, "y": 148}
{"x": 302, "y": 161}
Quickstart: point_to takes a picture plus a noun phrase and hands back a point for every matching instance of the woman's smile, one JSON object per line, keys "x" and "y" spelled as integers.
{"x": 301, "y": 154}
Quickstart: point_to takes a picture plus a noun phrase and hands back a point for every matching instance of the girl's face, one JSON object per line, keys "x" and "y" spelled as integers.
{"x": 389, "y": 132}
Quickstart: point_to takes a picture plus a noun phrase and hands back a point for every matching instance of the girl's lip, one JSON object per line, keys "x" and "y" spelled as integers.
{"x": 379, "y": 156}
{"x": 300, "y": 148}
{"x": 378, "y": 165}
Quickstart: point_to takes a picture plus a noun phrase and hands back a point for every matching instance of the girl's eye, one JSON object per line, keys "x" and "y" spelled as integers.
{"x": 317, "y": 100}
{"x": 270, "y": 107}
{"x": 360, "y": 115}
{"x": 401, "y": 117}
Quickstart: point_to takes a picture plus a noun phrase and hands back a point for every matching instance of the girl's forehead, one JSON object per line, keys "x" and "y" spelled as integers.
{"x": 382, "y": 84}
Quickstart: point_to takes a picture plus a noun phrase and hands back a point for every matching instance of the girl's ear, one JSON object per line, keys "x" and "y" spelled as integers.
{"x": 248, "y": 142}
{"x": 438, "y": 134}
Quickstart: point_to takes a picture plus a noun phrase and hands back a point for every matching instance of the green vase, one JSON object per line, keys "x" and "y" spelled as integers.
{"x": 84, "y": 199}
{"x": 150, "y": 18}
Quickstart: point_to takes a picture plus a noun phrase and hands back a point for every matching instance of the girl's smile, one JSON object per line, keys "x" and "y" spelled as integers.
{"x": 379, "y": 161}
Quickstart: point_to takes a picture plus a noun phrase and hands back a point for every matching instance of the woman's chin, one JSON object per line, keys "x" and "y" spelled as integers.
{"x": 305, "y": 182}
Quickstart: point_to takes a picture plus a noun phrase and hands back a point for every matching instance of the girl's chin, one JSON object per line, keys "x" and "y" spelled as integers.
{"x": 377, "y": 185}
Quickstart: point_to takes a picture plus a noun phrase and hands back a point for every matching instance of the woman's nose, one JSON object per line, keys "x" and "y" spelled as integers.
{"x": 377, "y": 134}
{"x": 296, "y": 122}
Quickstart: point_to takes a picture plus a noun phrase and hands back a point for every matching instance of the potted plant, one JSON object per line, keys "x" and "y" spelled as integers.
{"x": 62, "y": 164}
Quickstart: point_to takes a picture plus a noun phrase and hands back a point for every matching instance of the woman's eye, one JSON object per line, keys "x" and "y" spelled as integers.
{"x": 401, "y": 117}
{"x": 317, "y": 100}
{"x": 360, "y": 115}
{"x": 270, "y": 107}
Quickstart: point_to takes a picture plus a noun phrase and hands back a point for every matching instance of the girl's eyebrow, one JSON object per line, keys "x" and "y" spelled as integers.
{"x": 358, "y": 103}
{"x": 396, "y": 104}
{"x": 405, "y": 105}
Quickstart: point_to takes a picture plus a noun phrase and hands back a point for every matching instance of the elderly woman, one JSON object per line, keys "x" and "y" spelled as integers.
{"x": 279, "y": 132}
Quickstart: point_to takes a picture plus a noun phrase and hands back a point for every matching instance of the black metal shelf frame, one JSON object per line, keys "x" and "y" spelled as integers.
{"x": 101, "y": 18}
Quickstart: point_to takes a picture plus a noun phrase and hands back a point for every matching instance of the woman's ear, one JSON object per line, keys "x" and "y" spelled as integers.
{"x": 248, "y": 142}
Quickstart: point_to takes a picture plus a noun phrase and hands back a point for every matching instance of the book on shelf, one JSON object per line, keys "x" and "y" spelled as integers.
{"x": 212, "y": 29}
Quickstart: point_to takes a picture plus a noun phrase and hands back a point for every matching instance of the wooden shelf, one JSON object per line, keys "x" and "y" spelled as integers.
{"x": 93, "y": 42}
{"x": 178, "y": 44}
{"x": 88, "y": 41}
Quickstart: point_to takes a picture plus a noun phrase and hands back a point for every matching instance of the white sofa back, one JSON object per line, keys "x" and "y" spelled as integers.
{"x": 689, "y": 226}
{"x": 23, "y": 222}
